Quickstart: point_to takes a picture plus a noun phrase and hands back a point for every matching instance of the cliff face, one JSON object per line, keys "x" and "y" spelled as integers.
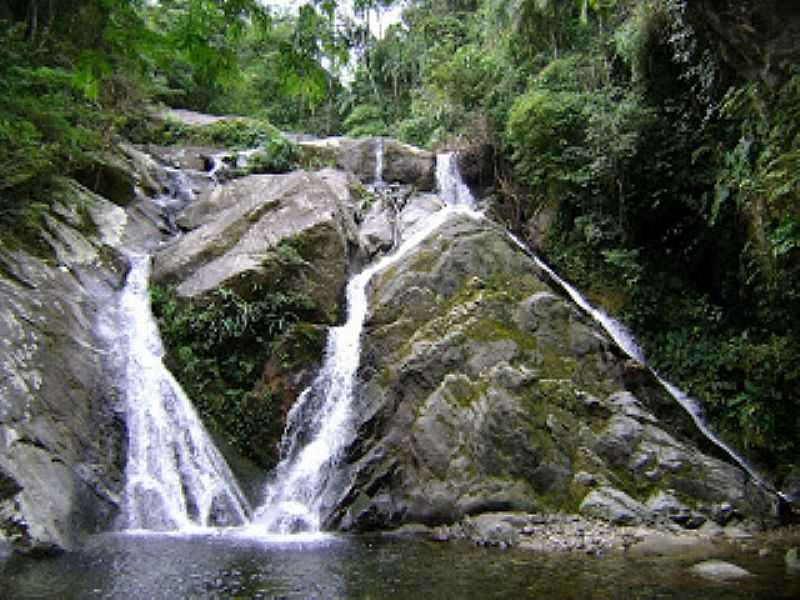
{"x": 757, "y": 40}
{"x": 61, "y": 435}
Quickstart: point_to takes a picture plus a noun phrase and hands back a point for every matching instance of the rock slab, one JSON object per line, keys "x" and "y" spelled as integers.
{"x": 484, "y": 391}
{"x": 61, "y": 433}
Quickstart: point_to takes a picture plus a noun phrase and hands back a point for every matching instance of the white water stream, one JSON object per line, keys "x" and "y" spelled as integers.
{"x": 175, "y": 479}
{"x": 379, "y": 144}
{"x": 452, "y": 188}
{"x": 623, "y": 338}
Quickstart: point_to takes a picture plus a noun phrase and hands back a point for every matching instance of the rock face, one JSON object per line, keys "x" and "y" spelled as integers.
{"x": 61, "y": 436}
{"x": 756, "y": 39}
{"x": 237, "y": 230}
{"x": 62, "y": 431}
{"x": 401, "y": 163}
{"x": 484, "y": 391}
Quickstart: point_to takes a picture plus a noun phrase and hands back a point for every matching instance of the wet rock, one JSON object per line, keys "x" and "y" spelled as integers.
{"x": 665, "y": 505}
{"x": 719, "y": 570}
{"x": 792, "y": 560}
{"x": 61, "y": 435}
{"x": 406, "y": 164}
{"x": 613, "y": 506}
{"x": 492, "y": 529}
{"x": 401, "y": 163}
{"x": 187, "y": 158}
{"x": 377, "y": 229}
{"x": 415, "y": 211}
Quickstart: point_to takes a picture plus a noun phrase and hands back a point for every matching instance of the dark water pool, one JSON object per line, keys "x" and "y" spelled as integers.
{"x": 170, "y": 567}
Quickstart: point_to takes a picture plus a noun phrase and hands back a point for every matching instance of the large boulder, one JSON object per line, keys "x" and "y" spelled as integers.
{"x": 61, "y": 431}
{"x": 244, "y": 231}
{"x": 719, "y": 570}
{"x": 406, "y": 164}
{"x": 401, "y": 163}
{"x": 482, "y": 390}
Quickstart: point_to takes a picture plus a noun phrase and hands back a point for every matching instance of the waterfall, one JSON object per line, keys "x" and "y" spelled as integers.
{"x": 378, "y": 162}
{"x": 623, "y": 338}
{"x": 453, "y": 190}
{"x": 175, "y": 479}
{"x": 319, "y": 426}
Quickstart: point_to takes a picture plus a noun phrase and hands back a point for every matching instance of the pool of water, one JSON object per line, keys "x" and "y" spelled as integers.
{"x": 172, "y": 567}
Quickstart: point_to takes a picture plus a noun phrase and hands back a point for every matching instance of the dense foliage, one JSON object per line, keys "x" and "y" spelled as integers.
{"x": 218, "y": 347}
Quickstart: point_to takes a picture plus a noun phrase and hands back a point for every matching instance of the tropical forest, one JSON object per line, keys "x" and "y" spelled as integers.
{"x": 460, "y": 294}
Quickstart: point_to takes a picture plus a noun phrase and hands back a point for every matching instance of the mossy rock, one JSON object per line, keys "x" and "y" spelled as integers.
{"x": 482, "y": 388}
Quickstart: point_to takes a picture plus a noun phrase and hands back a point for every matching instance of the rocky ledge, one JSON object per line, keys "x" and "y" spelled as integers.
{"x": 571, "y": 533}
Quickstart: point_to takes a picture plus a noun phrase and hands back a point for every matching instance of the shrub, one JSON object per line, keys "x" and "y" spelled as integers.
{"x": 217, "y": 349}
{"x": 365, "y": 120}
{"x": 546, "y": 132}
{"x": 277, "y": 155}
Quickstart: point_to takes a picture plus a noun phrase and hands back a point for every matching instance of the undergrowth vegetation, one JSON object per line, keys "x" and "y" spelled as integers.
{"x": 217, "y": 347}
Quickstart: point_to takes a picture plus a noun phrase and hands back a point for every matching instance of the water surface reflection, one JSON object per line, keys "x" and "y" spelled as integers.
{"x": 241, "y": 566}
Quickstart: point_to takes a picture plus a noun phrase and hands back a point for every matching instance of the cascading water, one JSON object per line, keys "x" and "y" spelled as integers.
{"x": 452, "y": 188}
{"x": 378, "y": 162}
{"x": 175, "y": 478}
{"x": 627, "y": 343}
{"x": 319, "y": 426}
